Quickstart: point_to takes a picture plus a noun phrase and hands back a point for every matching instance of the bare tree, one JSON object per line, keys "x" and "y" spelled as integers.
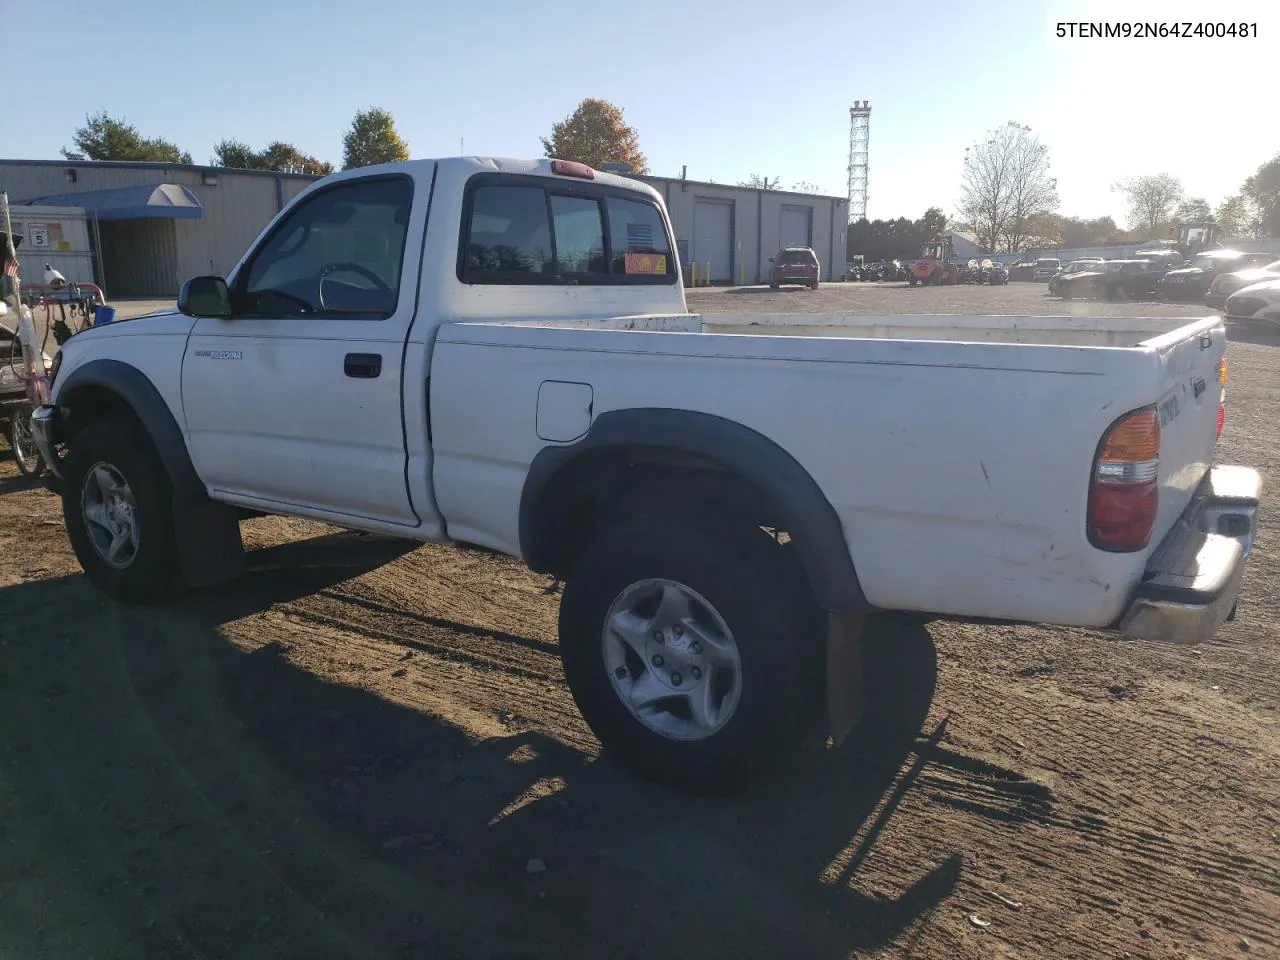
{"x": 759, "y": 182}
{"x": 804, "y": 186}
{"x": 1032, "y": 192}
{"x": 1152, "y": 201}
{"x": 1006, "y": 183}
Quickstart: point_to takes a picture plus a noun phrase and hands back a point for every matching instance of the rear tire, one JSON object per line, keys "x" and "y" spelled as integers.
{"x": 117, "y": 503}
{"x": 702, "y": 624}
{"x": 25, "y": 453}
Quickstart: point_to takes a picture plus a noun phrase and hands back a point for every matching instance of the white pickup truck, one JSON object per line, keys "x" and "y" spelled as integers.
{"x": 499, "y": 353}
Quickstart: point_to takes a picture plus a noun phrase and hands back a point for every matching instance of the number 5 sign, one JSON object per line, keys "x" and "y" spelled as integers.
{"x": 37, "y": 235}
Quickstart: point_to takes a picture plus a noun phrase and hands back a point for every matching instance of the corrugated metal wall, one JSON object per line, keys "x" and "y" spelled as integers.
{"x": 66, "y": 247}
{"x": 236, "y": 208}
{"x": 139, "y": 258}
{"x": 756, "y": 225}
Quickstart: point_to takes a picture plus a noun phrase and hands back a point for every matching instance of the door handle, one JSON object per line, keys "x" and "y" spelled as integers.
{"x": 362, "y": 365}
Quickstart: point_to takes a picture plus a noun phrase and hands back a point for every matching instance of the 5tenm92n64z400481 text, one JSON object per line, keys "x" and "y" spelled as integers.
{"x": 1086, "y": 30}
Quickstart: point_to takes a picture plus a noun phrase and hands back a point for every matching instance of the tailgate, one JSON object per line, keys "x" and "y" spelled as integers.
{"x": 1190, "y": 394}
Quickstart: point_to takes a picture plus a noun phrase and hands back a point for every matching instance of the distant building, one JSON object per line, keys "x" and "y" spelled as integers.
{"x": 150, "y": 226}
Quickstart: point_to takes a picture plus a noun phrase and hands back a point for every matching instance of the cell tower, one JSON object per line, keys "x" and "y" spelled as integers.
{"x": 859, "y": 141}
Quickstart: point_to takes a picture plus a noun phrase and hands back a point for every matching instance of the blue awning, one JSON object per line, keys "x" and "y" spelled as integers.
{"x": 168, "y": 200}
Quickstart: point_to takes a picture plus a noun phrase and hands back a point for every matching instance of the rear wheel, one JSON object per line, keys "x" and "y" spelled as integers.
{"x": 690, "y": 650}
{"x": 23, "y": 444}
{"x": 117, "y": 502}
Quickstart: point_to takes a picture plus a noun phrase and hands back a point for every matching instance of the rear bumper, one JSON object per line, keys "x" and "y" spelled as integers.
{"x": 1192, "y": 579}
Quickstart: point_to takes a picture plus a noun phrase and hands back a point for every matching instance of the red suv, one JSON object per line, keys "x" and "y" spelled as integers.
{"x": 794, "y": 265}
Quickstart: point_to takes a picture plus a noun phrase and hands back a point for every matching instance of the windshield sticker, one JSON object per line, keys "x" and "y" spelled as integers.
{"x": 645, "y": 263}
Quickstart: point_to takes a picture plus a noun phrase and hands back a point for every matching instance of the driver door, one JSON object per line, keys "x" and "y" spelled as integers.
{"x": 295, "y": 402}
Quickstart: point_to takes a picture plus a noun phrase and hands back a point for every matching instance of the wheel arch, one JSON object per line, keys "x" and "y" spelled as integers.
{"x": 102, "y": 387}
{"x": 738, "y": 463}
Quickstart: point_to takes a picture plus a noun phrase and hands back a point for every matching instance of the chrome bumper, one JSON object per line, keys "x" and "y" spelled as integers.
{"x": 1192, "y": 579}
{"x": 43, "y": 422}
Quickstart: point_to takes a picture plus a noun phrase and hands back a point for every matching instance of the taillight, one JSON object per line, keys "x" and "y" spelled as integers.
{"x": 1222, "y": 418}
{"x": 571, "y": 168}
{"x": 1125, "y": 493}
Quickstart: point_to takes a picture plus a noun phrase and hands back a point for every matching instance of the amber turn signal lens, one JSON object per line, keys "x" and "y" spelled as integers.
{"x": 1133, "y": 439}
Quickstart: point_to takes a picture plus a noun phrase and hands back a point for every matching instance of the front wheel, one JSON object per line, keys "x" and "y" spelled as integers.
{"x": 117, "y": 503}
{"x": 690, "y": 650}
{"x": 23, "y": 444}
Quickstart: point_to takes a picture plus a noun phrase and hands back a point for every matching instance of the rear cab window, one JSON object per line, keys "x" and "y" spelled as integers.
{"x": 522, "y": 230}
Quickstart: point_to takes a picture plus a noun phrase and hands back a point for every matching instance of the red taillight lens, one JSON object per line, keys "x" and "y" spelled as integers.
{"x": 1222, "y": 418}
{"x": 1125, "y": 493}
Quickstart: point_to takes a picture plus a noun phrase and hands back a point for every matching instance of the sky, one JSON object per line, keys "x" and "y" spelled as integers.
{"x": 728, "y": 89}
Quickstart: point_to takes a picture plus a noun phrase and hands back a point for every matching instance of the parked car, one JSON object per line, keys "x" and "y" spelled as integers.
{"x": 795, "y": 265}
{"x": 994, "y": 272}
{"x": 1079, "y": 266}
{"x": 1168, "y": 258}
{"x": 1259, "y": 301}
{"x": 456, "y": 378}
{"x": 1045, "y": 268}
{"x": 1110, "y": 280}
{"x": 1189, "y": 284}
{"x": 1225, "y": 284}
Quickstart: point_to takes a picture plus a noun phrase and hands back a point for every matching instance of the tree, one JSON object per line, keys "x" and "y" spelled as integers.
{"x": 933, "y": 224}
{"x": 1078, "y": 232}
{"x": 372, "y": 139}
{"x": 104, "y": 137}
{"x": 894, "y": 239}
{"x": 596, "y": 134}
{"x": 1262, "y": 191}
{"x": 1238, "y": 217}
{"x": 1152, "y": 202}
{"x": 804, "y": 186}
{"x": 1006, "y": 182}
{"x": 757, "y": 182}
{"x": 279, "y": 156}
{"x": 1193, "y": 210}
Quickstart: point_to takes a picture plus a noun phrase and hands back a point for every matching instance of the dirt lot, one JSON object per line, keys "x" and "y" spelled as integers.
{"x": 357, "y": 751}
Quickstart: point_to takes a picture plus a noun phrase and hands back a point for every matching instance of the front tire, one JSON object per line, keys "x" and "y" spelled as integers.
{"x": 690, "y": 650}
{"x": 117, "y": 503}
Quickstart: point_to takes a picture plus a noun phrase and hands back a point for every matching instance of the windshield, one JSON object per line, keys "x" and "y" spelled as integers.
{"x": 1212, "y": 263}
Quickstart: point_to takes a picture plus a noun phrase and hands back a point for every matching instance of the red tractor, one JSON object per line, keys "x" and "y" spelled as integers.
{"x": 936, "y": 266}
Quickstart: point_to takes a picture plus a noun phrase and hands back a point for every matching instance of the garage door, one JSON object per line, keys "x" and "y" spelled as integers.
{"x": 713, "y": 239}
{"x": 796, "y": 227}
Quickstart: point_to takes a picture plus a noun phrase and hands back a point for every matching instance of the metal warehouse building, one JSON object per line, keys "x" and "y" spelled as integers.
{"x": 734, "y": 231}
{"x": 148, "y": 226}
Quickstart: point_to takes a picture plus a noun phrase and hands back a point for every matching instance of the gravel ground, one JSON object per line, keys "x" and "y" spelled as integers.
{"x": 362, "y": 749}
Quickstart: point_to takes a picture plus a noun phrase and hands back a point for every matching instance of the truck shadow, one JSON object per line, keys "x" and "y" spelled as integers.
{"x": 204, "y": 795}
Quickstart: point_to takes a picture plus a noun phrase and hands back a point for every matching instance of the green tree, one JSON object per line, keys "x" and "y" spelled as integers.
{"x": 104, "y": 137}
{"x": 932, "y": 224}
{"x": 1193, "y": 210}
{"x": 596, "y": 134}
{"x": 279, "y": 156}
{"x": 372, "y": 139}
{"x": 1152, "y": 202}
{"x": 1262, "y": 191}
{"x": 1238, "y": 217}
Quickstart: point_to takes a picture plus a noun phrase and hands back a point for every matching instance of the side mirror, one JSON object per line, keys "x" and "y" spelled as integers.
{"x": 205, "y": 297}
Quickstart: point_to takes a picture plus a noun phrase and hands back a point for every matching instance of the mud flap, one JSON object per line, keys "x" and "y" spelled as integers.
{"x": 210, "y": 550}
{"x": 846, "y": 693}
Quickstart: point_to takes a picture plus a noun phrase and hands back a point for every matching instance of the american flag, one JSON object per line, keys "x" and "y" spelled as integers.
{"x": 11, "y": 265}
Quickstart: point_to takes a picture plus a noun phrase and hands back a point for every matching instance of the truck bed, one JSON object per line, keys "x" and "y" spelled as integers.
{"x": 956, "y": 451}
{"x": 1063, "y": 331}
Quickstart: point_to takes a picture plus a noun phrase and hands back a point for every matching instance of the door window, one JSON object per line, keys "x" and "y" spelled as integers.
{"x": 338, "y": 255}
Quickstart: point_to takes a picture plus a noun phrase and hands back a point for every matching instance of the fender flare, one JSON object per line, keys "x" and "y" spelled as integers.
{"x": 136, "y": 389}
{"x": 802, "y": 507}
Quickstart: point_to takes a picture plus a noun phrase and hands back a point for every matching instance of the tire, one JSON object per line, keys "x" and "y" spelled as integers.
{"x": 814, "y": 286}
{"x": 912, "y": 281}
{"x": 769, "y": 679}
{"x": 104, "y": 455}
{"x": 25, "y": 454}
{"x": 773, "y": 286}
